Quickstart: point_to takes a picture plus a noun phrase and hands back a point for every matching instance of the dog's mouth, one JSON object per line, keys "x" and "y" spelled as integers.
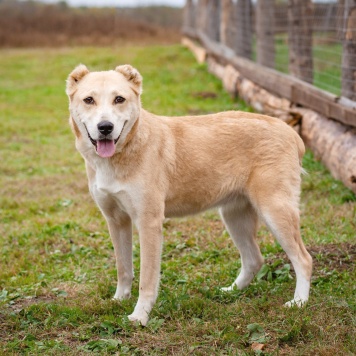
{"x": 105, "y": 147}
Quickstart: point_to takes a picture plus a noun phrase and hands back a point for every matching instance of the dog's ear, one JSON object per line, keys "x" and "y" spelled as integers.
{"x": 132, "y": 75}
{"x": 74, "y": 77}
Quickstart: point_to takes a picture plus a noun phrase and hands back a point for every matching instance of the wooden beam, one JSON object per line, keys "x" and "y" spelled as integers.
{"x": 283, "y": 85}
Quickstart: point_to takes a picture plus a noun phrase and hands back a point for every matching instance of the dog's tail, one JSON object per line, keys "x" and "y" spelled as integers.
{"x": 301, "y": 151}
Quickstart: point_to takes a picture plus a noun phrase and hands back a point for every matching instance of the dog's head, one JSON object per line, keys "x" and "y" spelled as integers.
{"x": 104, "y": 105}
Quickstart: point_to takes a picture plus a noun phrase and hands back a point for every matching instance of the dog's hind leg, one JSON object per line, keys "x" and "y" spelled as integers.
{"x": 241, "y": 222}
{"x": 282, "y": 218}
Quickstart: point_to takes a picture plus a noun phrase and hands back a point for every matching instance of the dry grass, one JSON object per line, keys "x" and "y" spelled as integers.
{"x": 31, "y": 24}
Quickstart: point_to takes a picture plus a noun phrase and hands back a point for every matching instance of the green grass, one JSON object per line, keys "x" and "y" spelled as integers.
{"x": 57, "y": 270}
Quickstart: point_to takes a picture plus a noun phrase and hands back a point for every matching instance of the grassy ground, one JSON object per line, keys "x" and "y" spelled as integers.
{"x": 57, "y": 271}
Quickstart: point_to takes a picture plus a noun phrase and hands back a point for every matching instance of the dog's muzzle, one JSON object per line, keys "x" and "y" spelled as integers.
{"x": 105, "y": 145}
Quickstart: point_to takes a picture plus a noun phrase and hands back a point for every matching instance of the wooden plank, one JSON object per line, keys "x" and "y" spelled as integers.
{"x": 280, "y": 84}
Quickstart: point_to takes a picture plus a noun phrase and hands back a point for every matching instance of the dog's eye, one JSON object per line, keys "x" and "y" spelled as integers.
{"x": 89, "y": 100}
{"x": 119, "y": 100}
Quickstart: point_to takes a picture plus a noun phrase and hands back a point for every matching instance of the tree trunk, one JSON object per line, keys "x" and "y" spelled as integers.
{"x": 300, "y": 38}
{"x": 265, "y": 32}
{"x": 348, "y": 87}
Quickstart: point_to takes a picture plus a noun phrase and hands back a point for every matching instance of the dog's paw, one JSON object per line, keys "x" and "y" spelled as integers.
{"x": 295, "y": 303}
{"x": 122, "y": 292}
{"x": 121, "y": 296}
{"x": 140, "y": 319}
{"x": 229, "y": 289}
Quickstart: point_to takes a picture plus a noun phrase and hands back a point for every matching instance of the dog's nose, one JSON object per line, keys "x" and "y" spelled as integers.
{"x": 105, "y": 127}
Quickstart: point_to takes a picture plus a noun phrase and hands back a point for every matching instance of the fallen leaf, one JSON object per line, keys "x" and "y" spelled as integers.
{"x": 256, "y": 346}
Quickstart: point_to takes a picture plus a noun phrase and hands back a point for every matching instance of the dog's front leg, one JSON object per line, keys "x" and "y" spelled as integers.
{"x": 121, "y": 234}
{"x": 150, "y": 232}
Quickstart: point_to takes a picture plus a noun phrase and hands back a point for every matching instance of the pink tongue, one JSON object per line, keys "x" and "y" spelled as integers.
{"x": 105, "y": 148}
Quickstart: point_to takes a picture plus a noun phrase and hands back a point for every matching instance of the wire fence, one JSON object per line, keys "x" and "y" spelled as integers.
{"x": 313, "y": 41}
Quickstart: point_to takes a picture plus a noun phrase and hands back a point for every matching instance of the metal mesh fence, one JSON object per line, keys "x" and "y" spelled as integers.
{"x": 314, "y": 41}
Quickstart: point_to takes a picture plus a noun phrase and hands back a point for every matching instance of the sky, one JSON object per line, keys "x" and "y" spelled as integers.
{"x": 123, "y": 3}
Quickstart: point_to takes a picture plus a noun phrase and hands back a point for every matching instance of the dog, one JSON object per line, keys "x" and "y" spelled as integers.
{"x": 143, "y": 168}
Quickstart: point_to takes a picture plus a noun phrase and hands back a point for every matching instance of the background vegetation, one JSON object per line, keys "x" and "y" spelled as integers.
{"x": 34, "y": 24}
{"x": 57, "y": 270}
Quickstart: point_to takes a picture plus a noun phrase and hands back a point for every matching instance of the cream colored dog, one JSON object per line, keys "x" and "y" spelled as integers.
{"x": 142, "y": 168}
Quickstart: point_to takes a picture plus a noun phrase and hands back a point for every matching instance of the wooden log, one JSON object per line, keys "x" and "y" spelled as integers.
{"x": 198, "y": 51}
{"x": 215, "y": 67}
{"x": 230, "y": 79}
{"x": 333, "y": 143}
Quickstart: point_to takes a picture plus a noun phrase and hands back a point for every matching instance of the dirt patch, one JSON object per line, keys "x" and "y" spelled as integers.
{"x": 205, "y": 95}
{"x": 333, "y": 256}
{"x": 339, "y": 256}
{"x": 24, "y": 303}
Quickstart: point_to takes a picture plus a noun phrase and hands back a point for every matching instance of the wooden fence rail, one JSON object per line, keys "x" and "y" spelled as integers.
{"x": 283, "y": 85}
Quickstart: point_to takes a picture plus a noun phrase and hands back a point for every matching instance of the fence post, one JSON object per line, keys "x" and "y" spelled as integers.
{"x": 265, "y": 32}
{"x": 300, "y": 37}
{"x": 348, "y": 75}
{"x": 243, "y": 23}
{"x": 227, "y": 23}
{"x": 214, "y": 19}
{"x": 201, "y": 16}
{"x": 208, "y": 18}
{"x": 189, "y": 14}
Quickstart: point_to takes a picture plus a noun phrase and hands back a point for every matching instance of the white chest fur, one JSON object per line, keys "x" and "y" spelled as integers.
{"x": 105, "y": 180}
{"x": 109, "y": 192}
